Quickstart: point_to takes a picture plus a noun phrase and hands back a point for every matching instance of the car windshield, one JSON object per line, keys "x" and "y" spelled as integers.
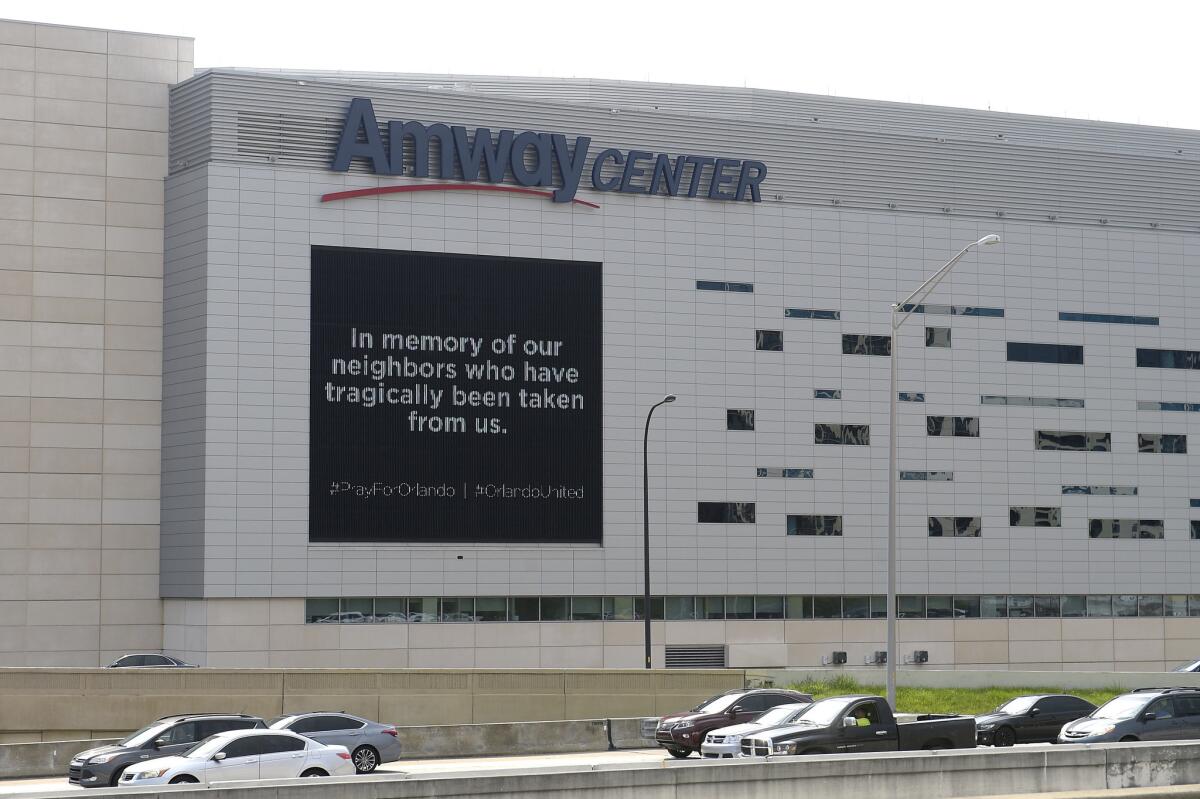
{"x": 1016, "y": 707}
{"x": 1123, "y": 707}
{"x": 209, "y": 746}
{"x": 779, "y": 714}
{"x": 717, "y": 703}
{"x": 1192, "y": 666}
{"x": 822, "y": 714}
{"x": 145, "y": 735}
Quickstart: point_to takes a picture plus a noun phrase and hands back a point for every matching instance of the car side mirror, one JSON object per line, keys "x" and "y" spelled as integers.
{"x": 160, "y": 742}
{"x": 219, "y": 756}
{"x": 849, "y": 721}
{"x": 1033, "y": 711}
{"x": 1148, "y": 716}
{"x": 733, "y": 711}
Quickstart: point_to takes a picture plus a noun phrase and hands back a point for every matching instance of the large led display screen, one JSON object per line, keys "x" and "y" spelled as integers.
{"x": 454, "y": 398}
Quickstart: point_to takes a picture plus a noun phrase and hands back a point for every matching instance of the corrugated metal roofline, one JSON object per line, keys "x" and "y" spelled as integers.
{"x": 814, "y": 165}
{"x": 786, "y": 107}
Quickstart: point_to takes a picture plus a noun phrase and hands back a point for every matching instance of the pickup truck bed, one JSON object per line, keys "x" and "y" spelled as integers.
{"x": 937, "y": 731}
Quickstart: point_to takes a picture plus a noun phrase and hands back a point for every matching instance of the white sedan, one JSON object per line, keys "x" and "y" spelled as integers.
{"x": 243, "y": 755}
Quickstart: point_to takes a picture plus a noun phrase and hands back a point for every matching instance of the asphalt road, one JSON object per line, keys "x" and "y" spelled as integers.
{"x": 14, "y": 788}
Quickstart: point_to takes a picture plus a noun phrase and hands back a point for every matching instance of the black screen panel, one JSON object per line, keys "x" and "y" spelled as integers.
{"x": 401, "y": 450}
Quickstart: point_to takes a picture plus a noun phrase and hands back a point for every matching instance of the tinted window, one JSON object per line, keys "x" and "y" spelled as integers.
{"x": 753, "y": 703}
{"x": 1187, "y": 705}
{"x": 955, "y": 526}
{"x": 937, "y": 337}
{"x": 811, "y": 313}
{"x": 214, "y": 726}
{"x": 1034, "y": 517}
{"x": 158, "y": 660}
{"x": 329, "y": 723}
{"x": 724, "y": 513}
{"x": 280, "y": 743}
{"x": 1125, "y": 528}
{"x": 1109, "y": 318}
{"x": 242, "y": 747}
{"x": 1055, "y": 704}
{"x": 1162, "y": 442}
{"x": 1072, "y": 441}
{"x": 1045, "y": 353}
{"x": 132, "y": 660}
{"x": 739, "y": 419}
{"x": 770, "y": 340}
{"x": 814, "y": 525}
{"x": 849, "y": 434}
{"x": 1168, "y": 359}
{"x": 772, "y": 700}
{"x": 866, "y": 345}
{"x": 182, "y": 733}
{"x": 1161, "y": 708}
{"x": 960, "y": 426}
{"x": 304, "y": 725}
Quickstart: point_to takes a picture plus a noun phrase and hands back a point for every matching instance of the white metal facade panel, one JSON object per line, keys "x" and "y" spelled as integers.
{"x": 661, "y": 334}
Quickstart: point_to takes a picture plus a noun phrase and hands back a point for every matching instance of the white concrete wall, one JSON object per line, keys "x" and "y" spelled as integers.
{"x": 83, "y": 151}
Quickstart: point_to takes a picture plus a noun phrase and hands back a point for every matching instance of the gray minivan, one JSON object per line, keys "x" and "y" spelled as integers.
{"x": 1147, "y": 714}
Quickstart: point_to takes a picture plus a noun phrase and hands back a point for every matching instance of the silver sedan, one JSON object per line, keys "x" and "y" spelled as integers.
{"x": 368, "y": 742}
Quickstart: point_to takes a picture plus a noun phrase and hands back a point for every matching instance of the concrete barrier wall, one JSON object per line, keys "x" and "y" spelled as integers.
{"x": 44, "y": 759}
{"x": 930, "y": 775}
{"x": 954, "y": 678}
{"x": 63, "y": 704}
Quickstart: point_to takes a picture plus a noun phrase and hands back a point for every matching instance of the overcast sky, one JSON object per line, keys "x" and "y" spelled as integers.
{"x": 1122, "y": 62}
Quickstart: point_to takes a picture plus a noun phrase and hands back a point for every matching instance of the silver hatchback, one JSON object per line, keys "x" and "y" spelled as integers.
{"x": 368, "y": 742}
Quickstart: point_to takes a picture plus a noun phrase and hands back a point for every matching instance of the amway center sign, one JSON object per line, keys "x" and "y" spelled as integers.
{"x": 528, "y": 159}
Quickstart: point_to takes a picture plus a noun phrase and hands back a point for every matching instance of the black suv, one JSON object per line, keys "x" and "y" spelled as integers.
{"x": 170, "y": 735}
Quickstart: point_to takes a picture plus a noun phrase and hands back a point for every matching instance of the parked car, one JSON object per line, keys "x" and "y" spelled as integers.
{"x": 244, "y": 755}
{"x": 368, "y": 742}
{"x": 1190, "y": 666}
{"x": 1147, "y": 714}
{"x": 860, "y": 724}
{"x": 149, "y": 661}
{"x": 170, "y": 735}
{"x": 1030, "y": 719}
{"x": 683, "y": 733}
{"x": 727, "y": 741}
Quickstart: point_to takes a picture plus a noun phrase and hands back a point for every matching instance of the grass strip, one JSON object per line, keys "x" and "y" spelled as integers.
{"x": 967, "y": 701}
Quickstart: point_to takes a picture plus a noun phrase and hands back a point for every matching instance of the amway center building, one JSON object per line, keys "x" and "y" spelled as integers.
{"x": 412, "y": 326}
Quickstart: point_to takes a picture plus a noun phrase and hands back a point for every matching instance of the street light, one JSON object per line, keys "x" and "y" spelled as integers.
{"x": 646, "y": 518}
{"x": 906, "y": 307}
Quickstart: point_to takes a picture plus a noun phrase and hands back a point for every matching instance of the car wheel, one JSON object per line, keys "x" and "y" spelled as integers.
{"x": 365, "y": 759}
{"x": 315, "y": 772}
{"x": 1128, "y": 738}
{"x": 184, "y": 779}
{"x": 1005, "y": 736}
{"x": 679, "y": 753}
{"x": 815, "y": 752}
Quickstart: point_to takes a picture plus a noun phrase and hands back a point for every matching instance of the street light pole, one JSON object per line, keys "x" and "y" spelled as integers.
{"x": 646, "y": 519}
{"x": 906, "y": 307}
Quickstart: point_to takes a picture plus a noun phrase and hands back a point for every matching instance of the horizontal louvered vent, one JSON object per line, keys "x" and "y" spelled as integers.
{"x": 696, "y": 657}
{"x": 264, "y": 133}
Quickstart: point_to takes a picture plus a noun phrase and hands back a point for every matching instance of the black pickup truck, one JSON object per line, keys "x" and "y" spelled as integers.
{"x": 860, "y": 724}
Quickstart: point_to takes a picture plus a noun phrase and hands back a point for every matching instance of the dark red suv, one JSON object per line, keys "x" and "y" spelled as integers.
{"x": 683, "y": 733}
